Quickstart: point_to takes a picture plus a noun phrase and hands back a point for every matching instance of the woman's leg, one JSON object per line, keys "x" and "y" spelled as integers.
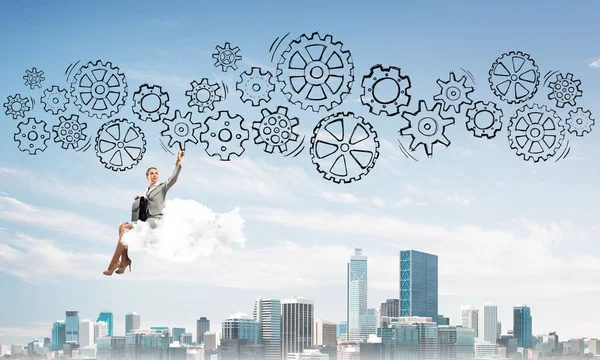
{"x": 125, "y": 260}
{"x": 114, "y": 262}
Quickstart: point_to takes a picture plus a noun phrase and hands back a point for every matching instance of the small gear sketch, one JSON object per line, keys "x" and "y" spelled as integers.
{"x": 426, "y": 127}
{"x": 226, "y": 57}
{"x": 55, "y": 100}
{"x": 275, "y": 130}
{"x": 120, "y": 145}
{"x": 535, "y": 132}
{"x": 32, "y": 136}
{"x": 99, "y": 89}
{"x": 256, "y": 86}
{"x": 385, "y": 90}
{"x": 485, "y": 119}
{"x": 150, "y": 102}
{"x": 69, "y": 132}
{"x": 316, "y": 72}
{"x": 181, "y": 130}
{"x": 16, "y": 106}
{"x": 514, "y": 77}
{"x": 565, "y": 89}
{"x": 454, "y": 93}
{"x": 33, "y": 78}
{"x": 203, "y": 95}
{"x": 225, "y": 135}
{"x": 580, "y": 122}
{"x": 344, "y": 147}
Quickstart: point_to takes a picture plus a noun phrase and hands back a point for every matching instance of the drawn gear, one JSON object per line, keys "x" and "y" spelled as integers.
{"x": 224, "y": 136}
{"x": 344, "y": 147}
{"x": 315, "y": 72}
{"x": 69, "y": 131}
{"x": 275, "y": 130}
{"x": 150, "y": 102}
{"x": 535, "y": 132}
{"x": 484, "y": 119}
{"x": 227, "y": 57}
{"x": 514, "y": 77}
{"x": 181, "y": 130}
{"x": 256, "y": 86}
{"x": 16, "y": 106}
{"x": 454, "y": 93}
{"x": 565, "y": 90}
{"x": 426, "y": 127}
{"x": 384, "y": 102}
{"x": 203, "y": 95}
{"x": 55, "y": 100}
{"x": 33, "y": 78}
{"x": 32, "y": 136}
{"x": 120, "y": 145}
{"x": 580, "y": 122}
{"x": 99, "y": 89}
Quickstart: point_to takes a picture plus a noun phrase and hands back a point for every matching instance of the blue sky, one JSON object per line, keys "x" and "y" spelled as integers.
{"x": 506, "y": 230}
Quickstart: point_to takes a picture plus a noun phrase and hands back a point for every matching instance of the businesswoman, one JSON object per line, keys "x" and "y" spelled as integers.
{"x": 155, "y": 196}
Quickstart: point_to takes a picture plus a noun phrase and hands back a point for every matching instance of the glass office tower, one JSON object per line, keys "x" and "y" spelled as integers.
{"x": 522, "y": 326}
{"x": 107, "y": 317}
{"x": 418, "y": 284}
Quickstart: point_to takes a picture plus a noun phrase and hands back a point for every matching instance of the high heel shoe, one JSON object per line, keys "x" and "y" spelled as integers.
{"x": 125, "y": 262}
{"x": 114, "y": 262}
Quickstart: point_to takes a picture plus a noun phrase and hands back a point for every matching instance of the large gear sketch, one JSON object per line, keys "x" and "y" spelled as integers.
{"x": 181, "y": 130}
{"x": 32, "y": 136}
{"x": 514, "y": 77}
{"x": 485, "y": 119}
{"x": 225, "y": 135}
{"x": 426, "y": 127}
{"x": 580, "y": 122}
{"x": 33, "y": 78}
{"x": 256, "y": 86}
{"x": 55, "y": 100}
{"x": 16, "y": 106}
{"x": 316, "y": 72}
{"x": 226, "y": 57}
{"x": 535, "y": 132}
{"x": 454, "y": 93}
{"x": 385, "y": 90}
{"x": 275, "y": 129}
{"x": 120, "y": 145}
{"x": 344, "y": 147}
{"x": 203, "y": 95}
{"x": 565, "y": 90}
{"x": 99, "y": 89}
{"x": 69, "y": 132}
{"x": 150, "y": 102}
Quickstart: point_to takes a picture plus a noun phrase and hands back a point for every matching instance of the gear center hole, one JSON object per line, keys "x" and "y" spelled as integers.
{"x": 256, "y": 87}
{"x": 386, "y": 91}
{"x": 203, "y": 95}
{"x": 344, "y": 147}
{"x": 225, "y": 135}
{"x": 16, "y": 106}
{"x": 99, "y": 89}
{"x": 150, "y": 103}
{"x": 32, "y": 136}
{"x": 484, "y": 120}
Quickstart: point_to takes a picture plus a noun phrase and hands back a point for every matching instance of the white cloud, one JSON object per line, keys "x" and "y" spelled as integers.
{"x": 52, "y": 219}
{"x": 594, "y": 64}
{"x": 340, "y": 198}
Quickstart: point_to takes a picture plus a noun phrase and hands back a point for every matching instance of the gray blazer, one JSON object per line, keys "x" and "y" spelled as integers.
{"x": 156, "y": 197}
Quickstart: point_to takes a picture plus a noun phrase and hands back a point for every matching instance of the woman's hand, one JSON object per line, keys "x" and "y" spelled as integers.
{"x": 180, "y": 155}
{"x": 136, "y": 197}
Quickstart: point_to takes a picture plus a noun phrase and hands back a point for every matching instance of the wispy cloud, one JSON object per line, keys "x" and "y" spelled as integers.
{"x": 594, "y": 64}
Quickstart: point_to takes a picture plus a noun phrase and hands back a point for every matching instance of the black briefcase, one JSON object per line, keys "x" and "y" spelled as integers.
{"x": 139, "y": 209}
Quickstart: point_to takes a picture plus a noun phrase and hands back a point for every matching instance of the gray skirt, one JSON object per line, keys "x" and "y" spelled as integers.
{"x": 151, "y": 220}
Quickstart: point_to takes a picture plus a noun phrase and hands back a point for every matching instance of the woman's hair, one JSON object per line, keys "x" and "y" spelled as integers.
{"x": 150, "y": 168}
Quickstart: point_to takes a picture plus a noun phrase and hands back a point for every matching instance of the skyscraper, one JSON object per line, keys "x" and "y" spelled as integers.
{"x": 488, "y": 323}
{"x": 268, "y": 313}
{"x": 297, "y": 322}
{"x": 470, "y": 318}
{"x": 72, "y": 327}
{"x": 522, "y": 326}
{"x": 59, "y": 335}
{"x": 86, "y": 333}
{"x": 107, "y": 317}
{"x": 177, "y": 332}
{"x": 132, "y": 322}
{"x": 391, "y": 308}
{"x": 325, "y": 333}
{"x": 418, "y": 284}
{"x": 100, "y": 330}
{"x": 241, "y": 326}
{"x": 202, "y": 326}
{"x": 357, "y": 296}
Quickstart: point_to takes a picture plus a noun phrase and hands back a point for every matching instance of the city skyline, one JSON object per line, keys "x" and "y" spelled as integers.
{"x": 505, "y": 230}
